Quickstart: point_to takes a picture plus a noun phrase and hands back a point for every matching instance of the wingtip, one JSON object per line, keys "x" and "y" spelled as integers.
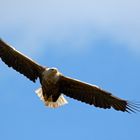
{"x": 2, "y": 41}
{"x": 132, "y": 107}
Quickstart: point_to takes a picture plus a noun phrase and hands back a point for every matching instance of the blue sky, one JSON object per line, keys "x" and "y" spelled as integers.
{"x": 93, "y": 41}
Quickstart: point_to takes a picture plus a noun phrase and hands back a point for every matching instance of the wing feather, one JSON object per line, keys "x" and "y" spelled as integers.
{"x": 19, "y": 62}
{"x": 93, "y": 95}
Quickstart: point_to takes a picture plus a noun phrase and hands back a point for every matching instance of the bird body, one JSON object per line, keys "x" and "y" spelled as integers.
{"x": 54, "y": 84}
{"x": 49, "y": 92}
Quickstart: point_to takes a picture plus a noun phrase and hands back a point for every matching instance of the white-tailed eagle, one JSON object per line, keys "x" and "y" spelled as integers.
{"x": 54, "y": 84}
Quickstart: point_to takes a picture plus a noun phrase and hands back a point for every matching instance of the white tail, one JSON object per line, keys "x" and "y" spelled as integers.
{"x": 60, "y": 101}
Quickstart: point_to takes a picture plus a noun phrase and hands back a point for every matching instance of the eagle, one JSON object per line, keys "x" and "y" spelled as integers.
{"x": 54, "y": 85}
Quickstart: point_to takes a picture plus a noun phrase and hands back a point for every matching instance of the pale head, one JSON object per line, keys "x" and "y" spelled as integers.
{"x": 52, "y": 70}
{"x": 51, "y": 74}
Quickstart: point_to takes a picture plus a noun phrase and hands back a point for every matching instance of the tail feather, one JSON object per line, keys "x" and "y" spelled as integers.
{"x": 49, "y": 102}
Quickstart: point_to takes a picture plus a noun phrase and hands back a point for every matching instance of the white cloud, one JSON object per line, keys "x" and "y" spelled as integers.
{"x": 63, "y": 20}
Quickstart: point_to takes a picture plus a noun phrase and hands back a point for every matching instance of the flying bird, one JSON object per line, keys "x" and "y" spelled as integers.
{"x": 54, "y": 85}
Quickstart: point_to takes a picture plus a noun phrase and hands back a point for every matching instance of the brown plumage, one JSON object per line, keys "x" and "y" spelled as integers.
{"x": 93, "y": 95}
{"x": 54, "y": 84}
{"x": 19, "y": 62}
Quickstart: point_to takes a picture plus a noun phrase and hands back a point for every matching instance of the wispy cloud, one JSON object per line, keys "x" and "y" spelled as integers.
{"x": 76, "y": 22}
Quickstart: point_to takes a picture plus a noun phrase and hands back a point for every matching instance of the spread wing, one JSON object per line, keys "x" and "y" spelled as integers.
{"x": 19, "y": 62}
{"x": 93, "y": 95}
